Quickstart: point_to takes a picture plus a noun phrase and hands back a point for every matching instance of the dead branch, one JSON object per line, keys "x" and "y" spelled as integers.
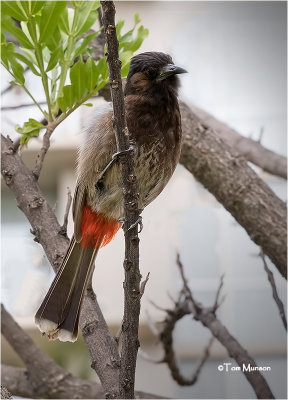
{"x": 236, "y": 186}
{"x": 132, "y": 295}
{"x": 43, "y": 378}
{"x": 251, "y": 150}
{"x": 188, "y": 305}
{"x": 166, "y": 335}
{"x": 276, "y": 297}
{"x": 100, "y": 342}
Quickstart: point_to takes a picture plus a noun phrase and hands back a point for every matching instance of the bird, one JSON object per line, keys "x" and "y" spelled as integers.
{"x": 154, "y": 125}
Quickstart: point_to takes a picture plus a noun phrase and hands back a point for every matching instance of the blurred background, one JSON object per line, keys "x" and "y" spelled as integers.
{"x": 235, "y": 53}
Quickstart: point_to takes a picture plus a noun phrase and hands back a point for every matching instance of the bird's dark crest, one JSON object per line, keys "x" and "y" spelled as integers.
{"x": 149, "y": 63}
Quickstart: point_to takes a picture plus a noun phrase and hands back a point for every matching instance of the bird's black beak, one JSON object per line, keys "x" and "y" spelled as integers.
{"x": 168, "y": 70}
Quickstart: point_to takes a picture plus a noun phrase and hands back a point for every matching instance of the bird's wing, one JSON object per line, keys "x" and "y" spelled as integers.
{"x": 79, "y": 202}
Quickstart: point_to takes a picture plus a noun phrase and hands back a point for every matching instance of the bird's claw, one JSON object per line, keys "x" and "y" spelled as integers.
{"x": 139, "y": 221}
{"x": 120, "y": 153}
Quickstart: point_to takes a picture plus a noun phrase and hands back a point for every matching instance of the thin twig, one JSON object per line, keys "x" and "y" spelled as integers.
{"x": 218, "y": 302}
{"x": 143, "y": 284}
{"x": 7, "y": 108}
{"x": 132, "y": 293}
{"x": 271, "y": 280}
{"x": 68, "y": 205}
{"x": 208, "y": 318}
{"x": 44, "y": 149}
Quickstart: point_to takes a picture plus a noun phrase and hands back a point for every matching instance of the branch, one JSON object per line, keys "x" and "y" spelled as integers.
{"x": 7, "y": 108}
{"x": 68, "y": 205}
{"x": 132, "y": 295}
{"x": 187, "y": 304}
{"x": 45, "y": 147}
{"x": 278, "y": 302}
{"x": 250, "y": 149}
{"x": 43, "y": 377}
{"x": 236, "y": 186}
{"x": 18, "y": 380}
{"x": 101, "y": 344}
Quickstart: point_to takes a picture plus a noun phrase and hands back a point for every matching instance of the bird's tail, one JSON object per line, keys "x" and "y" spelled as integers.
{"x": 58, "y": 315}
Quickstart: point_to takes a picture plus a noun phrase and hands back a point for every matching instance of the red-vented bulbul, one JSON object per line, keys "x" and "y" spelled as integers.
{"x": 154, "y": 123}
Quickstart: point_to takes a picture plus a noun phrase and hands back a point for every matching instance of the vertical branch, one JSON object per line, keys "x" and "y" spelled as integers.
{"x": 132, "y": 295}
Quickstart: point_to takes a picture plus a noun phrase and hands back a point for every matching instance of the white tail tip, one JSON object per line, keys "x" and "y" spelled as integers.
{"x": 50, "y": 329}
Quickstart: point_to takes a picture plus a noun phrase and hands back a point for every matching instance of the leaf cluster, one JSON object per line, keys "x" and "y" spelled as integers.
{"x": 51, "y": 38}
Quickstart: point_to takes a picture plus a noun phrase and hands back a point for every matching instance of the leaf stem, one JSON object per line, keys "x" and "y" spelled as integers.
{"x": 67, "y": 58}
{"x": 39, "y": 57}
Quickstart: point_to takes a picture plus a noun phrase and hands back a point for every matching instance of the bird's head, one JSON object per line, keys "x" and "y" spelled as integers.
{"x": 152, "y": 71}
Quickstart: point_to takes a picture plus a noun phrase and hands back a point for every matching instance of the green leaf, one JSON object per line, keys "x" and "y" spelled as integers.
{"x": 77, "y": 78}
{"x": 68, "y": 99}
{"x": 51, "y": 13}
{"x": 91, "y": 74}
{"x": 125, "y": 58}
{"x": 136, "y": 43}
{"x": 87, "y": 16}
{"x": 28, "y": 63}
{"x": 9, "y": 59}
{"x": 63, "y": 22}
{"x": 81, "y": 45}
{"x": 9, "y": 26}
{"x": 55, "y": 56}
{"x": 54, "y": 41}
{"x": 102, "y": 68}
{"x": 25, "y": 5}
{"x": 12, "y": 9}
{"x": 31, "y": 55}
{"x": 119, "y": 27}
{"x": 29, "y": 129}
{"x": 36, "y": 6}
{"x": 88, "y": 104}
{"x": 137, "y": 19}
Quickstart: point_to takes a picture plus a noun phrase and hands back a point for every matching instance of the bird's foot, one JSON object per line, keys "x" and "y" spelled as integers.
{"x": 115, "y": 157}
{"x": 121, "y": 153}
{"x": 139, "y": 221}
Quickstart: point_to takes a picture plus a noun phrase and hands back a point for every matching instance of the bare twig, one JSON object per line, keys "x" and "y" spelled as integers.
{"x": 271, "y": 280}
{"x": 166, "y": 338}
{"x": 143, "y": 284}
{"x": 44, "y": 149}
{"x": 132, "y": 295}
{"x": 43, "y": 377}
{"x": 208, "y": 318}
{"x": 68, "y": 205}
{"x": 24, "y": 105}
{"x": 217, "y": 301}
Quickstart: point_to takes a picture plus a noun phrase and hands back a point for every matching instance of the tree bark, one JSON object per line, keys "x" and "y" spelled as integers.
{"x": 101, "y": 344}
{"x": 236, "y": 186}
{"x": 250, "y": 149}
